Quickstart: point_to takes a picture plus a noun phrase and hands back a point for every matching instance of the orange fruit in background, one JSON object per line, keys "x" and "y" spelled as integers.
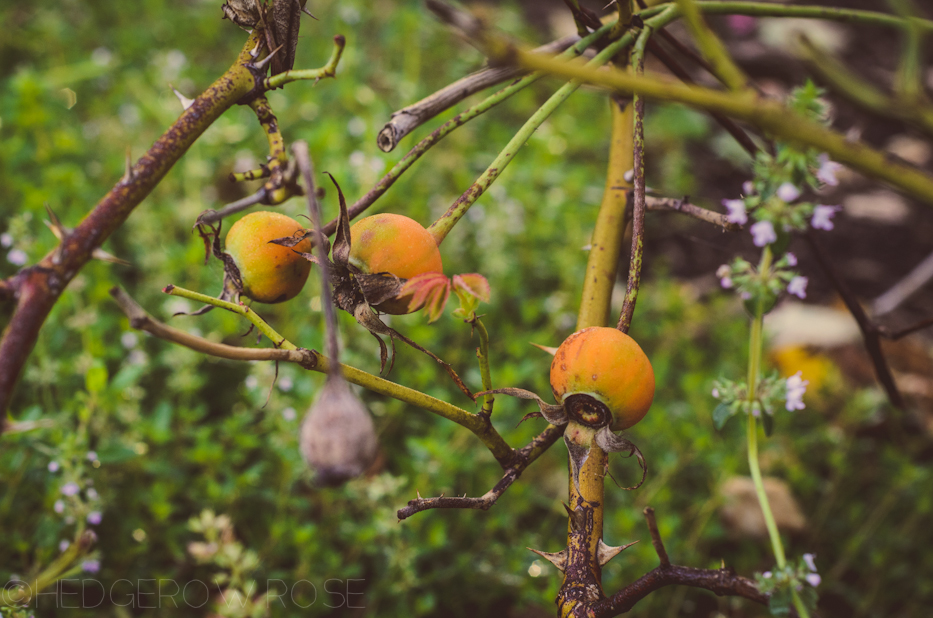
{"x": 270, "y": 273}
{"x": 601, "y": 368}
{"x": 394, "y": 244}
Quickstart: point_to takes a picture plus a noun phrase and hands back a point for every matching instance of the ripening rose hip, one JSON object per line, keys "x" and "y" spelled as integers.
{"x": 270, "y": 273}
{"x": 601, "y": 376}
{"x": 394, "y": 244}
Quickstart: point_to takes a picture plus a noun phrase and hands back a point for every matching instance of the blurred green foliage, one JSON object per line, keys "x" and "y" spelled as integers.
{"x": 173, "y": 433}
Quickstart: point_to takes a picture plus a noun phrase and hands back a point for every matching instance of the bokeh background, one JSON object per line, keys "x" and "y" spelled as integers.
{"x": 154, "y": 434}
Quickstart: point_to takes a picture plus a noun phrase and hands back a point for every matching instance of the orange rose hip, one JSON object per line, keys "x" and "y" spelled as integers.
{"x": 270, "y": 273}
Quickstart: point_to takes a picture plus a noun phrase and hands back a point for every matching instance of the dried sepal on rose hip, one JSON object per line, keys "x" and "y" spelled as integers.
{"x": 268, "y": 272}
{"x": 602, "y": 377}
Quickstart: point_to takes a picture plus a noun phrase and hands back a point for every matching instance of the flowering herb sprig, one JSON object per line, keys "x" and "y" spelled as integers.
{"x": 772, "y": 197}
{"x": 772, "y": 201}
{"x": 771, "y": 393}
{"x": 782, "y": 584}
{"x": 763, "y": 285}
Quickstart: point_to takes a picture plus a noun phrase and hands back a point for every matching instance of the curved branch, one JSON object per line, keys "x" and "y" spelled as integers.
{"x": 722, "y": 582}
{"x": 522, "y": 458}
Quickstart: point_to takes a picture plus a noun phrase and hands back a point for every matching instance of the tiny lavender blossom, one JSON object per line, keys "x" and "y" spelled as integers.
{"x": 748, "y": 187}
{"x": 17, "y": 257}
{"x": 827, "y": 171}
{"x": 94, "y": 518}
{"x": 90, "y": 566}
{"x": 823, "y": 217}
{"x": 92, "y": 494}
{"x": 59, "y": 507}
{"x": 53, "y": 466}
{"x": 788, "y": 192}
{"x": 70, "y": 489}
{"x": 63, "y": 545}
{"x": 716, "y": 393}
{"x": 814, "y": 579}
{"x": 798, "y": 287}
{"x": 91, "y": 455}
{"x": 791, "y": 259}
{"x": 723, "y": 273}
{"x": 736, "y": 210}
{"x": 796, "y": 387}
{"x": 763, "y": 233}
{"x": 809, "y": 560}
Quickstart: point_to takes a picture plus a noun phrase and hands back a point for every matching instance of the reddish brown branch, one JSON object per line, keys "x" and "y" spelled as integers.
{"x": 522, "y": 458}
{"x": 871, "y": 333}
{"x": 656, "y": 537}
{"x": 40, "y": 286}
{"x": 722, "y": 582}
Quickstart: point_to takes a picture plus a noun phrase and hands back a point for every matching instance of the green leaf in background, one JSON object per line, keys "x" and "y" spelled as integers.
{"x": 722, "y": 413}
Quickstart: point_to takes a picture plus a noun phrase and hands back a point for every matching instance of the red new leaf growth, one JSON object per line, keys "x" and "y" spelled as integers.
{"x": 428, "y": 290}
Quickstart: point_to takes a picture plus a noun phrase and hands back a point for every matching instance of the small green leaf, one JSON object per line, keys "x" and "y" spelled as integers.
{"x": 780, "y": 602}
{"x": 722, "y": 413}
{"x": 809, "y": 597}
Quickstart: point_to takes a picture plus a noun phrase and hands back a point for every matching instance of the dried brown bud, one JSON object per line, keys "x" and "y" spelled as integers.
{"x": 337, "y": 436}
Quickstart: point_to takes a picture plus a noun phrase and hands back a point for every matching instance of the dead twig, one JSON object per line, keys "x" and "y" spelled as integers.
{"x": 522, "y": 458}
{"x": 407, "y": 119}
{"x": 683, "y": 205}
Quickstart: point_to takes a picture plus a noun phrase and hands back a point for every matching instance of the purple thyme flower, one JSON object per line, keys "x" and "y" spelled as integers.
{"x": 736, "y": 210}
{"x": 827, "y": 172}
{"x": 763, "y": 233}
{"x": 823, "y": 217}
{"x": 796, "y": 387}
{"x": 788, "y": 192}
{"x": 798, "y": 287}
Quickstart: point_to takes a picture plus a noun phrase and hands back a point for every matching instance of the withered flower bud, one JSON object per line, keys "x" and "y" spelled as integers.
{"x": 337, "y": 436}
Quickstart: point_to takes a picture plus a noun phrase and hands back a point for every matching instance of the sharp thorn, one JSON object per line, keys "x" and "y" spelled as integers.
{"x": 605, "y": 553}
{"x": 254, "y": 53}
{"x": 185, "y": 101}
{"x": 103, "y": 256}
{"x": 308, "y": 13}
{"x": 558, "y": 559}
{"x": 265, "y": 61}
{"x": 548, "y": 349}
{"x": 55, "y": 224}
{"x": 128, "y": 172}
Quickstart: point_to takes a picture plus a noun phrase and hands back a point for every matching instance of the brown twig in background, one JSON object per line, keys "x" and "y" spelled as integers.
{"x": 407, "y": 119}
{"x": 638, "y": 193}
{"x": 656, "y": 540}
{"x": 523, "y": 458}
{"x": 723, "y": 582}
{"x": 895, "y": 335}
{"x": 870, "y": 332}
{"x": 683, "y": 205}
{"x": 725, "y": 122}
